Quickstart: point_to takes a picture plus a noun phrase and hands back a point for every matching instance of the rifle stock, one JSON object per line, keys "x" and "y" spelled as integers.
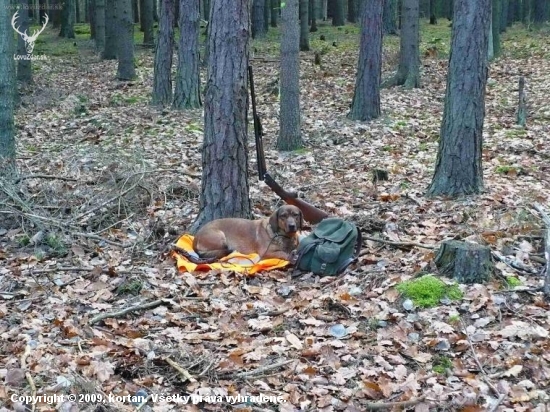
{"x": 309, "y": 212}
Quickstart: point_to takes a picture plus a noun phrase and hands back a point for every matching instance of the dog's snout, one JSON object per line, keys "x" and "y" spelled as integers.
{"x": 291, "y": 224}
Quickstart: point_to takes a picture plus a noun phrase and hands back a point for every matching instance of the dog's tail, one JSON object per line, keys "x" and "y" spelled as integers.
{"x": 192, "y": 258}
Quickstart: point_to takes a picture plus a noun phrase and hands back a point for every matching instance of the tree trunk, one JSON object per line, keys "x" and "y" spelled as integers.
{"x": 55, "y": 13}
{"x": 187, "y": 95}
{"x": 338, "y": 17}
{"x": 90, "y": 12}
{"x": 135, "y": 10}
{"x": 458, "y": 168}
{"x": 111, "y": 21}
{"x": 324, "y": 9}
{"x": 148, "y": 21}
{"x": 224, "y": 188}
{"x": 366, "y": 97}
{"x": 125, "y": 43}
{"x": 77, "y": 11}
{"x": 504, "y": 15}
{"x": 290, "y": 137}
{"x": 304, "y": 25}
{"x": 99, "y": 11}
{"x": 389, "y": 19}
{"x": 67, "y": 19}
{"x": 155, "y": 11}
{"x": 314, "y": 14}
{"x": 521, "y": 117}
{"x": 7, "y": 91}
{"x": 496, "y": 17}
{"x": 24, "y": 68}
{"x": 267, "y": 14}
{"x": 465, "y": 262}
{"x": 433, "y": 16}
{"x": 274, "y": 12}
{"x": 408, "y": 72}
{"x": 540, "y": 9}
{"x": 352, "y": 11}
{"x": 258, "y": 24}
{"x": 162, "y": 76}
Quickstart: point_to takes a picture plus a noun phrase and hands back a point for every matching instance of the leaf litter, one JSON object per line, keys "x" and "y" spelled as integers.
{"x": 131, "y": 183}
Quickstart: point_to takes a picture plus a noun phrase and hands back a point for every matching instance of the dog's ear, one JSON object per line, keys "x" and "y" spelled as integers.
{"x": 274, "y": 221}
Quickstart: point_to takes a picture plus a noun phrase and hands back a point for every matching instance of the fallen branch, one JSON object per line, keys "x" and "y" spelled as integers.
{"x": 262, "y": 369}
{"x": 102, "y": 239}
{"x": 546, "y": 220}
{"x": 400, "y": 244}
{"x": 183, "y": 372}
{"x": 67, "y": 179}
{"x": 122, "y": 312}
{"x": 374, "y": 406}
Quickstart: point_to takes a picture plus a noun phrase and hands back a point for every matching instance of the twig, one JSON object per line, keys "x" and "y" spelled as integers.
{"x": 480, "y": 366}
{"x": 102, "y": 204}
{"x": 119, "y": 313}
{"x": 374, "y": 406}
{"x": 67, "y": 179}
{"x": 30, "y": 381}
{"x": 183, "y": 372}
{"x": 263, "y": 369}
{"x": 399, "y": 244}
{"x": 102, "y": 239}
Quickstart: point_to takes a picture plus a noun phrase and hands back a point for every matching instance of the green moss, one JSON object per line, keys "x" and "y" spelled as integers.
{"x": 505, "y": 170}
{"x": 512, "y": 281}
{"x": 441, "y": 364}
{"x": 428, "y": 290}
{"x": 130, "y": 287}
{"x": 24, "y": 240}
{"x": 58, "y": 246}
{"x": 455, "y": 318}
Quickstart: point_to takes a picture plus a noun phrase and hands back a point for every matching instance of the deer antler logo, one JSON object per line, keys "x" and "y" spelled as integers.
{"x": 29, "y": 40}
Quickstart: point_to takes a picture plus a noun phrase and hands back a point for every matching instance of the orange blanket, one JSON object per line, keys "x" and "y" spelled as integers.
{"x": 237, "y": 262}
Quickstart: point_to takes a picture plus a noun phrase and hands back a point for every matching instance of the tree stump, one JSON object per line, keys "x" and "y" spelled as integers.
{"x": 521, "y": 119}
{"x": 466, "y": 262}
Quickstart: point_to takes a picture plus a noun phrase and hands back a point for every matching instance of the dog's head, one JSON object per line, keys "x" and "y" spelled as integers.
{"x": 287, "y": 219}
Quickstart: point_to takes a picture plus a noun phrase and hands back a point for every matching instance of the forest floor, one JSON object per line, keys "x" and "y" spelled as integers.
{"x": 109, "y": 182}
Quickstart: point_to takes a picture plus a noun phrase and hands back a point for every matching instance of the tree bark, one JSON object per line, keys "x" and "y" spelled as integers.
{"x": 125, "y": 43}
{"x": 68, "y": 16}
{"x": 408, "y": 72}
{"x": 24, "y": 67}
{"x": 338, "y": 17}
{"x": 352, "y": 11}
{"x": 99, "y": 11}
{"x": 274, "y": 12}
{"x": 433, "y": 16}
{"x": 135, "y": 10}
{"x": 366, "y": 97}
{"x": 521, "y": 117}
{"x": 315, "y": 12}
{"x": 389, "y": 19}
{"x": 496, "y": 17}
{"x": 304, "y": 25}
{"x": 90, "y": 12}
{"x": 224, "y": 188}
{"x": 162, "y": 76}
{"x": 7, "y": 91}
{"x": 290, "y": 137}
{"x": 258, "y": 15}
{"x": 110, "y": 51}
{"x": 465, "y": 262}
{"x": 187, "y": 95}
{"x": 148, "y": 21}
{"x": 267, "y": 14}
{"x": 458, "y": 168}
{"x": 540, "y": 11}
{"x": 504, "y": 15}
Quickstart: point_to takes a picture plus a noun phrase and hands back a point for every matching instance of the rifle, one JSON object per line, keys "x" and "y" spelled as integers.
{"x": 309, "y": 212}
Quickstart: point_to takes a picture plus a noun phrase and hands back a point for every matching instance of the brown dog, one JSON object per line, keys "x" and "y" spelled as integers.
{"x": 273, "y": 237}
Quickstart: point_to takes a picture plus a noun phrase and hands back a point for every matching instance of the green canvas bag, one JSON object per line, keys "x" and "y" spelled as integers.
{"x": 332, "y": 246}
